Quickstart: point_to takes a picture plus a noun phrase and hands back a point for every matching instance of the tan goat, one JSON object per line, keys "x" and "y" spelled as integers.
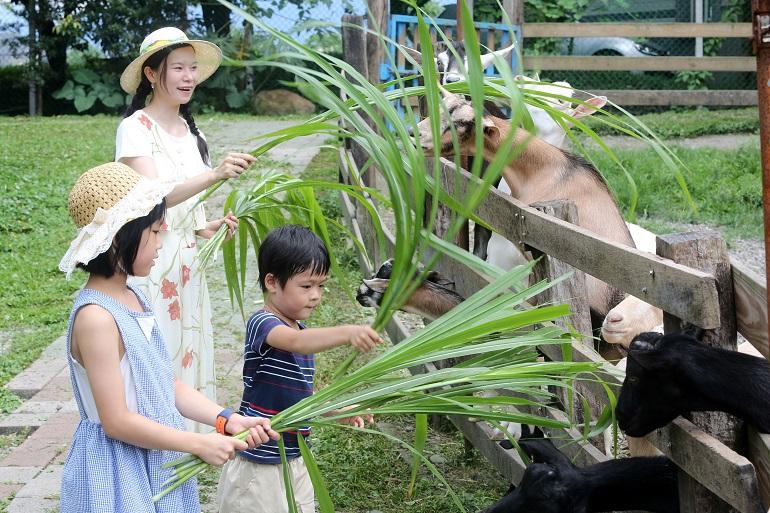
{"x": 541, "y": 172}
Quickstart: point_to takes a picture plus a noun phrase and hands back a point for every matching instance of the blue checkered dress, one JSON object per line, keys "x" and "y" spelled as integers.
{"x": 105, "y": 475}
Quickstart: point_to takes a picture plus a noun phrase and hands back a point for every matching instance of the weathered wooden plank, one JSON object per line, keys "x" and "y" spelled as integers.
{"x": 612, "y": 63}
{"x": 507, "y": 462}
{"x": 675, "y": 288}
{"x": 377, "y": 21}
{"x": 684, "y": 30}
{"x": 571, "y": 289}
{"x": 354, "y": 42}
{"x": 581, "y": 452}
{"x": 751, "y": 306}
{"x": 759, "y": 454}
{"x": 733, "y": 97}
{"x": 515, "y": 11}
{"x": 707, "y": 251}
{"x": 726, "y": 473}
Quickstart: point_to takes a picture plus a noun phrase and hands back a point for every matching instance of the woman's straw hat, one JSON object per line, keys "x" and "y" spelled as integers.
{"x": 101, "y": 202}
{"x": 208, "y": 55}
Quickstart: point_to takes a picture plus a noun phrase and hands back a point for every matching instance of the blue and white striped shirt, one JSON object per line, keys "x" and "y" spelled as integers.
{"x": 273, "y": 380}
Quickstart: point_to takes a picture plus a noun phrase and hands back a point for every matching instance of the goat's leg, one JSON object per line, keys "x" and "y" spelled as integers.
{"x": 631, "y": 317}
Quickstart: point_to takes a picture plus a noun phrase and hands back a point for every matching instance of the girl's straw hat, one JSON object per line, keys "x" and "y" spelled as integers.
{"x": 207, "y": 54}
{"x": 101, "y": 202}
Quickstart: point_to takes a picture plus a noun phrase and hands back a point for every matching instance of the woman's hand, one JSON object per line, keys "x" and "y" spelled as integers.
{"x": 259, "y": 429}
{"x": 233, "y": 165}
{"x": 212, "y": 226}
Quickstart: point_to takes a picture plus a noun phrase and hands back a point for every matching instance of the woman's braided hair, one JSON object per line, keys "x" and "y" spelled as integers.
{"x": 157, "y": 61}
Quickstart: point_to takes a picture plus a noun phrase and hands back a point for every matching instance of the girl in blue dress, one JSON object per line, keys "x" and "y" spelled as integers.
{"x": 131, "y": 405}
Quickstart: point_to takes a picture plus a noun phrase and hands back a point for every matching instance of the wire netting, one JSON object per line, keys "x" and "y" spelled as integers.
{"x": 652, "y": 11}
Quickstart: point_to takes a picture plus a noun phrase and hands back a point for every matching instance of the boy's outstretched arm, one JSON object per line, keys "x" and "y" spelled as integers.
{"x": 314, "y": 340}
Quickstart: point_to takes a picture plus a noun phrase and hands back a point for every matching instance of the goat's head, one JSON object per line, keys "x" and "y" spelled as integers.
{"x": 448, "y": 62}
{"x": 457, "y": 117}
{"x": 545, "y": 488}
{"x": 371, "y": 291}
{"x": 651, "y": 395}
{"x": 431, "y": 299}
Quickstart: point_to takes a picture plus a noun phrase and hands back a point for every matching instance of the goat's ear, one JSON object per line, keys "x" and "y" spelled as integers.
{"x": 414, "y": 54}
{"x": 385, "y": 270}
{"x": 377, "y": 284}
{"x": 644, "y": 350}
{"x": 439, "y": 279}
{"x": 590, "y": 106}
{"x": 490, "y": 129}
{"x": 489, "y": 58}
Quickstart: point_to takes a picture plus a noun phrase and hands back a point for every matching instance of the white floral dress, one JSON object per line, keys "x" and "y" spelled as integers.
{"x": 176, "y": 286}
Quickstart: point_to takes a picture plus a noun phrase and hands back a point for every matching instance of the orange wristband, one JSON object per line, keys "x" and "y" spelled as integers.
{"x": 222, "y": 419}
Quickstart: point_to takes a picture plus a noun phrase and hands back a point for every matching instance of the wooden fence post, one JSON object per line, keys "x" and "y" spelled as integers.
{"x": 354, "y": 52}
{"x": 706, "y": 251}
{"x": 377, "y": 19}
{"x": 572, "y": 290}
{"x": 515, "y": 11}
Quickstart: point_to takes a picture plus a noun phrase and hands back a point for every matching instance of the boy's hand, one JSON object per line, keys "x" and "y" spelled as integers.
{"x": 259, "y": 429}
{"x": 363, "y": 338}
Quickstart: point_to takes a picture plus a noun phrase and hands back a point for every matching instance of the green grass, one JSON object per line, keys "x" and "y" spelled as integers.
{"x": 726, "y": 187}
{"x": 692, "y": 123}
{"x": 40, "y": 159}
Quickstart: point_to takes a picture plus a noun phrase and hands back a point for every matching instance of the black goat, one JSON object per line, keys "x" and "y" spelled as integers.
{"x": 552, "y": 484}
{"x": 668, "y": 375}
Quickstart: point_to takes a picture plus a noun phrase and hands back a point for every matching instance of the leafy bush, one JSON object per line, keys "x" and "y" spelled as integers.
{"x": 86, "y": 87}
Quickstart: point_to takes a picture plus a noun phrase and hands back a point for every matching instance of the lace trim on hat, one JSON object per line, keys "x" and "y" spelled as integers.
{"x": 96, "y": 237}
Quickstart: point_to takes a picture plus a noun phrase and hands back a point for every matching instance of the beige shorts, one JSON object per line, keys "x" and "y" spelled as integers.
{"x": 248, "y": 487}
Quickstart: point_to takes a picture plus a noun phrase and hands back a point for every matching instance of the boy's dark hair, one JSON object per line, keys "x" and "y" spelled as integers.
{"x": 125, "y": 246}
{"x": 158, "y": 62}
{"x": 290, "y": 250}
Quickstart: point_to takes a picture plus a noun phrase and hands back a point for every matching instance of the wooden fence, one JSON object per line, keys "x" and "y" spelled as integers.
{"x": 701, "y": 287}
{"x": 735, "y": 97}
{"x": 649, "y": 97}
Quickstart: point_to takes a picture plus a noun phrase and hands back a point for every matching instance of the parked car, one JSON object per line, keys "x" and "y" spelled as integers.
{"x": 619, "y": 46}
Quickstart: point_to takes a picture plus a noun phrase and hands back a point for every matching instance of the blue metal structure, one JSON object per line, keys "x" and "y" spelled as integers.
{"x": 403, "y": 29}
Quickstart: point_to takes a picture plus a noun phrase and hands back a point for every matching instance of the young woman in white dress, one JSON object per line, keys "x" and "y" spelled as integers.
{"x": 159, "y": 139}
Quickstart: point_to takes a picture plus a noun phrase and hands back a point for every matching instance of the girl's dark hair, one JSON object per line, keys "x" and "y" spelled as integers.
{"x": 125, "y": 246}
{"x": 157, "y": 62}
{"x": 290, "y": 250}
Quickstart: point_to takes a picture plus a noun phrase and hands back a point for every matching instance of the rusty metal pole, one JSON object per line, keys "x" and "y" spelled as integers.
{"x": 760, "y": 17}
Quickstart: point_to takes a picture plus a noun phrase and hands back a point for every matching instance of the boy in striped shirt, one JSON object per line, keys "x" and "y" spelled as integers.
{"x": 278, "y": 368}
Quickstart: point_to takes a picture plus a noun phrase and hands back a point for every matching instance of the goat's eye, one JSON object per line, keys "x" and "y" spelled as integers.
{"x": 633, "y": 379}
